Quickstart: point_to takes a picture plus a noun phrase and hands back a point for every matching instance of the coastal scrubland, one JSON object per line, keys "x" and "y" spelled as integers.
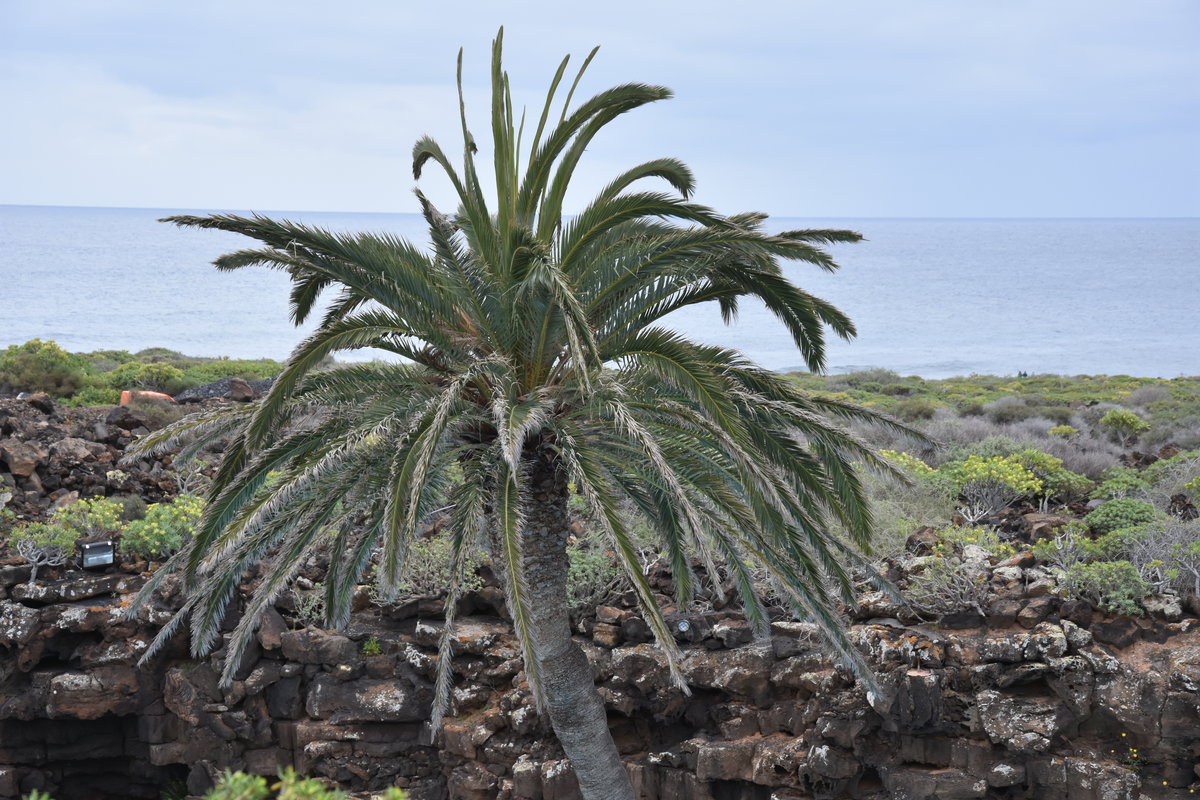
{"x": 1085, "y": 447}
{"x": 1037, "y": 501}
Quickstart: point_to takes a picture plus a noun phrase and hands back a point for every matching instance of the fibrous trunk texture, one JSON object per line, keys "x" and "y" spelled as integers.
{"x": 576, "y": 710}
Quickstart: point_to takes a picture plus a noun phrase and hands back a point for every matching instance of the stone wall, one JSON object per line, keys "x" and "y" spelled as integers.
{"x": 1030, "y": 706}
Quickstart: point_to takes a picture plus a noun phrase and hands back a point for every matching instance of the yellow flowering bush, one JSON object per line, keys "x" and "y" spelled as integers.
{"x": 908, "y": 463}
{"x": 1058, "y": 483}
{"x": 94, "y": 518}
{"x": 1008, "y": 471}
{"x": 1124, "y": 426}
{"x": 989, "y": 485}
{"x": 164, "y": 529}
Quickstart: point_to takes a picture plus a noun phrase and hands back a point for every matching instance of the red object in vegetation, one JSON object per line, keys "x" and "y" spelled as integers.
{"x": 129, "y": 395}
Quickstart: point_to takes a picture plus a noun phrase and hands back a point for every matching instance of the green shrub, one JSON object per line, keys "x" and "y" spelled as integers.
{"x": 1112, "y": 546}
{"x": 1148, "y": 394}
{"x": 310, "y": 605}
{"x": 1185, "y": 560}
{"x": 199, "y": 372}
{"x": 593, "y": 577}
{"x": 107, "y": 360}
{"x": 157, "y": 412}
{"x": 1167, "y": 552}
{"x": 1168, "y": 477}
{"x": 1007, "y": 414}
{"x": 948, "y": 585}
{"x": 1058, "y": 483}
{"x": 912, "y": 409}
{"x": 290, "y": 786}
{"x": 39, "y": 366}
{"x": 154, "y": 377}
{"x": 950, "y": 582}
{"x": 971, "y": 408}
{"x": 1065, "y": 548}
{"x": 43, "y": 545}
{"x": 1164, "y": 554}
{"x": 1180, "y": 467}
{"x": 1057, "y": 414}
{"x": 1116, "y": 587}
{"x": 428, "y": 571}
{"x": 989, "y": 485}
{"x": 899, "y": 510}
{"x": 175, "y": 790}
{"x": 1007, "y": 471}
{"x": 97, "y": 378}
{"x": 93, "y": 518}
{"x": 296, "y": 787}
{"x": 370, "y": 647}
{"x": 7, "y": 517}
{"x": 864, "y": 376}
{"x": 1123, "y": 426}
{"x": 164, "y": 528}
{"x": 1064, "y": 431}
{"x": 152, "y": 355}
{"x": 93, "y": 395}
{"x": 988, "y": 447}
{"x": 956, "y": 540}
{"x": 239, "y": 786}
{"x": 1123, "y": 512}
{"x": 1064, "y": 486}
{"x": 133, "y": 507}
{"x": 1120, "y": 482}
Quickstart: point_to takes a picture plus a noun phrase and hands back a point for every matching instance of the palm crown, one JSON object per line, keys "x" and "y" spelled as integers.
{"x": 533, "y": 361}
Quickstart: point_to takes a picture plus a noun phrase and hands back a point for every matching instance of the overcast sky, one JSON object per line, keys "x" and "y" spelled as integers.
{"x": 954, "y": 108}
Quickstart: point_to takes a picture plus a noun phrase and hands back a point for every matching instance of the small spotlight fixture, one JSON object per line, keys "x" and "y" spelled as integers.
{"x": 97, "y": 554}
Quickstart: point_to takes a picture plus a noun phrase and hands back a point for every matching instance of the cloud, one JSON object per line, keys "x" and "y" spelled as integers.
{"x": 930, "y": 107}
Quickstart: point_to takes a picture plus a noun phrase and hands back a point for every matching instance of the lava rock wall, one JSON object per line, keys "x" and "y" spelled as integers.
{"x": 998, "y": 710}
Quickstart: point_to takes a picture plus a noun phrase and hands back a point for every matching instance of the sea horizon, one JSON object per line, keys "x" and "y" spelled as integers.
{"x": 231, "y": 209}
{"x": 931, "y": 296}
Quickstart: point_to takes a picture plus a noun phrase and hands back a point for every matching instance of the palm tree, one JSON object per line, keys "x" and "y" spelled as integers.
{"x": 532, "y": 362}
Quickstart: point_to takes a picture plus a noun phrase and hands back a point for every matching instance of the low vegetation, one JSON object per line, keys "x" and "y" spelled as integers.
{"x": 1130, "y": 538}
{"x": 151, "y": 532}
{"x": 99, "y": 377}
{"x": 1142, "y": 541}
{"x": 1066, "y": 408}
{"x": 163, "y": 530}
{"x": 42, "y": 544}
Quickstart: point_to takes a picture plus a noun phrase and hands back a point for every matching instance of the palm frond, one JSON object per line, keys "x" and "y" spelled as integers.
{"x": 533, "y": 345}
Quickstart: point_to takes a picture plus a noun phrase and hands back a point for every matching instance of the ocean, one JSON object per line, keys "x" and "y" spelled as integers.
{"x": 930, "y": 297}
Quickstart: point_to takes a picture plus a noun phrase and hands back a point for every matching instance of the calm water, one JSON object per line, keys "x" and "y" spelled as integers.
{"x": 932, "y": 297}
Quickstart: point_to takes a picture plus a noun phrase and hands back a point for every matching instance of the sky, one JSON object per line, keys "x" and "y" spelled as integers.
{"x": 859, "y": 108}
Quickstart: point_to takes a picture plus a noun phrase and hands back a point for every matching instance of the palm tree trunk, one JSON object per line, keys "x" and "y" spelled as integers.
{"x": 576, "y": 710}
